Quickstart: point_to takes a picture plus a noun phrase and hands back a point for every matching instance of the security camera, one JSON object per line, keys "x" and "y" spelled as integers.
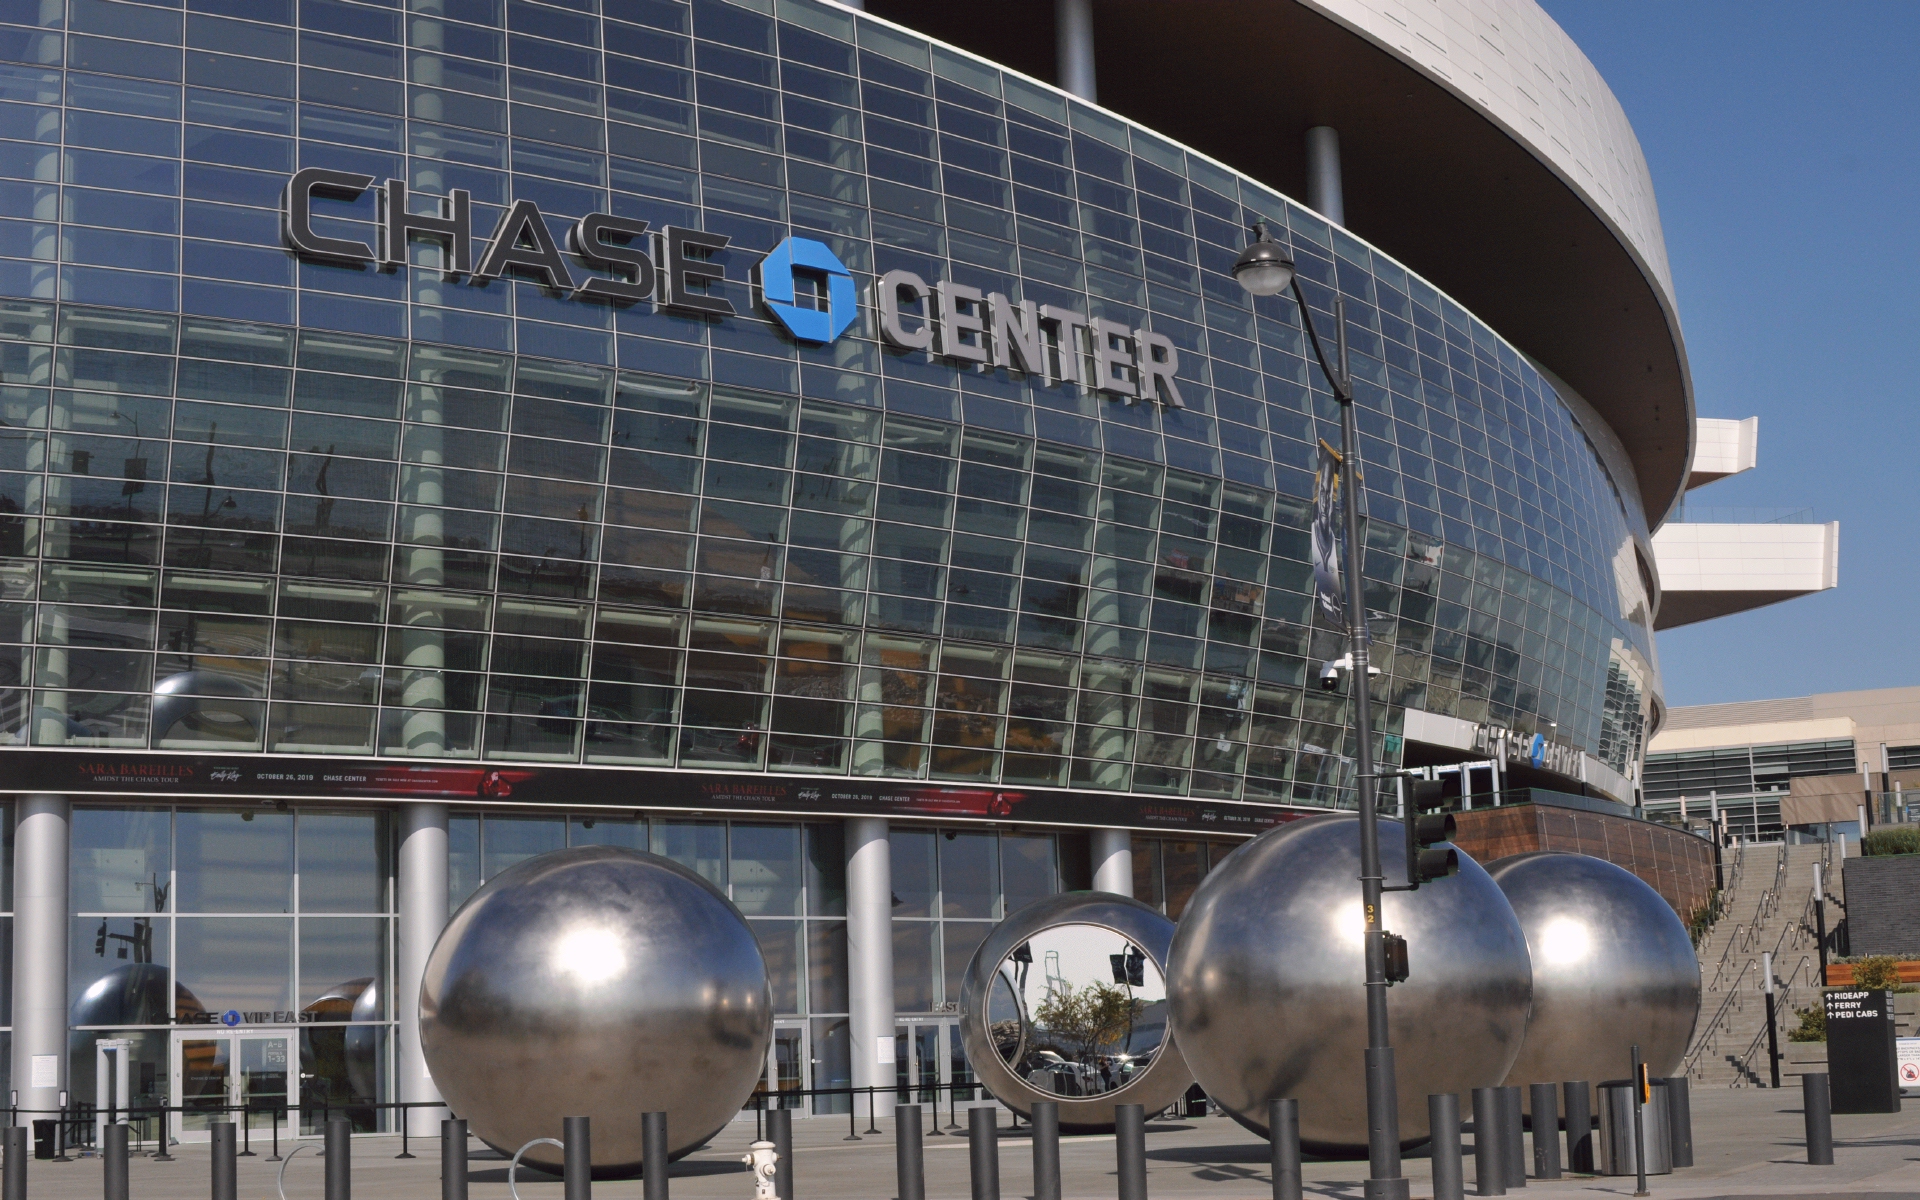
{"x": 1330, "y": 675}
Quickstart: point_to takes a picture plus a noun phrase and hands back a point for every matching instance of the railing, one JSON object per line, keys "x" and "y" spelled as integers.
{"x": 1707, "y": 1037}
{"x": 75, "y": 1125}
{"x": 758, "y": 1102}
{"x": 1783, "y": 1006}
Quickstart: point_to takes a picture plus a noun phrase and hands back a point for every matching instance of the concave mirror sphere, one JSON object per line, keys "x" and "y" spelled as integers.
{"x": 1612, "y": 966}
{"x": 1066, "y": 1001}
{"x": 1267, "y": 982}
{"x": 597, "y": 982}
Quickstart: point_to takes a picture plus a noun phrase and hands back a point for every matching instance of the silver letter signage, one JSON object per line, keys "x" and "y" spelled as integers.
{"x": 616, "y": 245}
{"x": 296, "y": 215}
{"x": 891, "y": 285}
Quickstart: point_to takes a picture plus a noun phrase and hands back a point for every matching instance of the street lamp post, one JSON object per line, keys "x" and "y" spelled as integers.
{"x": 1264, "y": 268}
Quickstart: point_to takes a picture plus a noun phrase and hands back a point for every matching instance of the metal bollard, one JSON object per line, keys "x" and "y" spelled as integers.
{"x": 780, "y": 1133}
{"x": 1046, "y": 1149}
{"x": 453, "y": 1160}
{"x": 1816, "y": 1101}
{"x": 15, "y": 1173}
{"x": 1283, "y": 1147}
{"x": 1679, "y": 1122}
{"x": 1513, "y": 1139}
{"x": 909, "y": 1167}
{"x": 113, "y": 1161}
{"x": 225, "y": 1171}
{"x": 339, "y": 1159}
{"x": 653, "y": 1155}
{"x": 1544, "y": 1099}
{"x": 983, "y": 1151}
{"x": 1489, "y": 1173}
{"x": 1443, "y": 1119}
{"x": 1579, "y": 1099}
{"x": 576, "y": 1157}
{"x": 1130, "y": 1150}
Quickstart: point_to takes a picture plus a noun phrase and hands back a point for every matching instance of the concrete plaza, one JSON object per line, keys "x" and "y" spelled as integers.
{"x": 1746, "y": 1143}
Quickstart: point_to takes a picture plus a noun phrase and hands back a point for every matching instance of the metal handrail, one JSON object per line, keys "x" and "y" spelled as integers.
{"x": 1706, "y": 1036}
{"x": 1783, "y": 1002}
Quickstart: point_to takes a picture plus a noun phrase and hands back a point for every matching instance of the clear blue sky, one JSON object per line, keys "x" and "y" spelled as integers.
{"x": 1784, "y": 140}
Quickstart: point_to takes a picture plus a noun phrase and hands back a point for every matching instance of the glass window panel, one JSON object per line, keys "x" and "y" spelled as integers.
{"x": 959, "y": 940}
{"x": 766, "y": 869}
{"x": 234, "y": 861}
{"x": 343, "y": 862}
{"x": 234, "y": 962}
{"x": 826, "y": 874}
{"x": 1028, "y": 864}
{"x": 514, "y": 839}
{"x": 914, "y": 879}
{"x": 969, "y": 880}
{"x": 780, "y": 946}
{"x": 117, "y": 971}
{"x": 603, "y": 831}
{"x": 343, "y": 957}
{"x": 913, "y": 966}
{"x": 827, "y": 966}
{"x": 463, "y": 859}
{"x": 1185, "y": 863}
{"x": 700, "y": 845}
{"x": 120, "y": 860}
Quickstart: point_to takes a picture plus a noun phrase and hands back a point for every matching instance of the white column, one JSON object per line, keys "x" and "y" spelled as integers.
{"x": 870, "y": 951}
{"x": 1324, "y": 194}
{"x": 1113, "y": 861}
{"x": 1073, "y": 47}
{"x": 40, "y": 848}
{"x": 422, "y": 895}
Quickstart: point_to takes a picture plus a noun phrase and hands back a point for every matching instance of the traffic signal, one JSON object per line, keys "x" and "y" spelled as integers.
{"x": 1427, "y": 858}
{"x": 1129, "y": 968}
{"x": 1396, "y": 949}
{"x": 100, "y": 941}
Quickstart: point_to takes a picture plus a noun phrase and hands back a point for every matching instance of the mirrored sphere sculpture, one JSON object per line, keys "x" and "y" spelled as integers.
{"x": 1066, "y": 1001}
{"x": 1267, "y": 982}
{"x": 602, "y": 982}
{"x": 1612, "y": 966}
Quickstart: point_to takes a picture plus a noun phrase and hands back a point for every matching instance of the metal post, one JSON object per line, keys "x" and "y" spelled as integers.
{"x": 1112, "y": 853}
{"x": 1073, "y": 50}
{"x": 225, "y": 1169}
{"x": 1817, "y": 1104}
{"x": 577, "y": 1157}
{"x": 1773, "y": 1023}
{"x": 1489, "y": 1174}
{"x": 1639, "y": 1125}
{"x": 421, "y": 890}
{"x": 60, "y": 1131}
{"x": 1679, "y": 1122}
{"x": 1283, "y": 1147}
{"x": 1579, "y": 1125}
{"x": 1820, "y": 920}
{"x": 13, "y": 1181}
{"x": 1544, "y": 1099}
{"x": 1513, "y": 1139}
{"x": 909, "y": 1167}
{"x": 1130, "y": 1150}
{"x": 1443, "y": 1119}
{"x": 654, "y": 1155}
{"x": 780, "y": 1133}
{"x": 273, "y": 1120}
{"x": 339, "y": 1159}
{"x": 1046, "y": 1150}
{"x": 453, "y": 1160}
{"x": 41, "y": 931}
{"x": 1323, "y": 174}
{"x": 983, "y": 1151}
{"x": 113, "y": 1161}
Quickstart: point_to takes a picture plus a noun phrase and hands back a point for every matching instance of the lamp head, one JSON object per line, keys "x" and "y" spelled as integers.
{"x": 1264, "y": 268}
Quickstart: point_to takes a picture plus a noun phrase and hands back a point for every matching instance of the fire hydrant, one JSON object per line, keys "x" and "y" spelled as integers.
{"x": 762, "y": 1158}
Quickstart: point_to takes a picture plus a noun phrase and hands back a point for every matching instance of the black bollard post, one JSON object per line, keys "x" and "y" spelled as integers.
{"x": 983, "y": 1150}
{"x": 1489, "y": 1173}
{"x": 1544, "y": 1099}
{"x": 1679, "y": 1122}
{"x": 453, "y": 1160}
{"x": 1283, "y": 1147}
{"x": 780, "y": 1133}
{"x": 1443, "y": 1119}
{"x": 1817, "y": 1103}
{"x": 1579, "y": 1099}
{"x": 909, "y": 1167}
{"x": 339, "y": 1158}
{"x": 113, "y": 1161}
{"x": 15, "y": 1173}
{"x": 653, "y": 1155}
{"x": 1513, "y": 1139}
{"x": 577, "y": 1157}
{"x": 1046, "y": 1150}
{"x": 1130, "y": 1150}
{"x": 225, "y": 1171}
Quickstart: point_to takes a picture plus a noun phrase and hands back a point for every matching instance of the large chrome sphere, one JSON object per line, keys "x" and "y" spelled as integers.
{"x": 1031, "y": 1015}
{"x": 596, "y": 982}
{"x": 1267, "y": 982}
{"x": 1612, "y": 966}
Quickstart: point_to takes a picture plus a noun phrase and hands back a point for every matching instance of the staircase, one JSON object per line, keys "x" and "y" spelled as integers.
{"x": 1767, "y": 906}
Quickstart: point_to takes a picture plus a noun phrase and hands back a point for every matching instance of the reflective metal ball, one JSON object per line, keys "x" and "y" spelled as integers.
{"x": 602, "y": 982}
{"x": 1267, "y": 982}
{"x": 997, "y": 1024}
{"x": 1612, "y": 966}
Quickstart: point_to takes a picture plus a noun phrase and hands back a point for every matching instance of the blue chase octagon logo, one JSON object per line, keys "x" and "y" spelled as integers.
{"x": 779, "y": 272}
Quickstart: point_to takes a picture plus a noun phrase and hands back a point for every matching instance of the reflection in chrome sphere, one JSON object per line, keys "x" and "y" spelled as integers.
{"x": 1267, "y": 981}
{"x": 596, "y": 982}
{"x": 1612, "y": 966}
{"x": 988, "y": 1006}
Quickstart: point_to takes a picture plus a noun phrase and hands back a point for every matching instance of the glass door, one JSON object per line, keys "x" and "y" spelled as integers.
{"x": 220, "y": 1076}
{"x": 927, "y": 1056}
{"x": 787, "y": 1066}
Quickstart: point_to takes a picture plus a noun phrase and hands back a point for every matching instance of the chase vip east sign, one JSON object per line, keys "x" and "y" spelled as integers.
{"x": 673, "y": 268}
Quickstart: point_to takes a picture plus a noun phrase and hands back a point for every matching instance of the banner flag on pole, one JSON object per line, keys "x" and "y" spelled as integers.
{"x": 1327, "y": 539}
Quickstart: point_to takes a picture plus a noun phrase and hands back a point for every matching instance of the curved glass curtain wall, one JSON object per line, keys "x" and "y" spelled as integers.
{"x": 261, "y": 505}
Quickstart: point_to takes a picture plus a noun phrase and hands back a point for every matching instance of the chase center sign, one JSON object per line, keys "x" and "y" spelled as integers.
{"x": 800, "y": 282}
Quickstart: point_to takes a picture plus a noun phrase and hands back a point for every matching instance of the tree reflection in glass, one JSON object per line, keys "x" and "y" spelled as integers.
{"x": 1078, "y": 1011}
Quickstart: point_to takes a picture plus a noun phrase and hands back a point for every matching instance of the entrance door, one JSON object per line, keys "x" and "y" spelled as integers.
{"x": 927, "y": 1056}
{"x": 787, "y": 1065}
{"x": 220, "y": 1075}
